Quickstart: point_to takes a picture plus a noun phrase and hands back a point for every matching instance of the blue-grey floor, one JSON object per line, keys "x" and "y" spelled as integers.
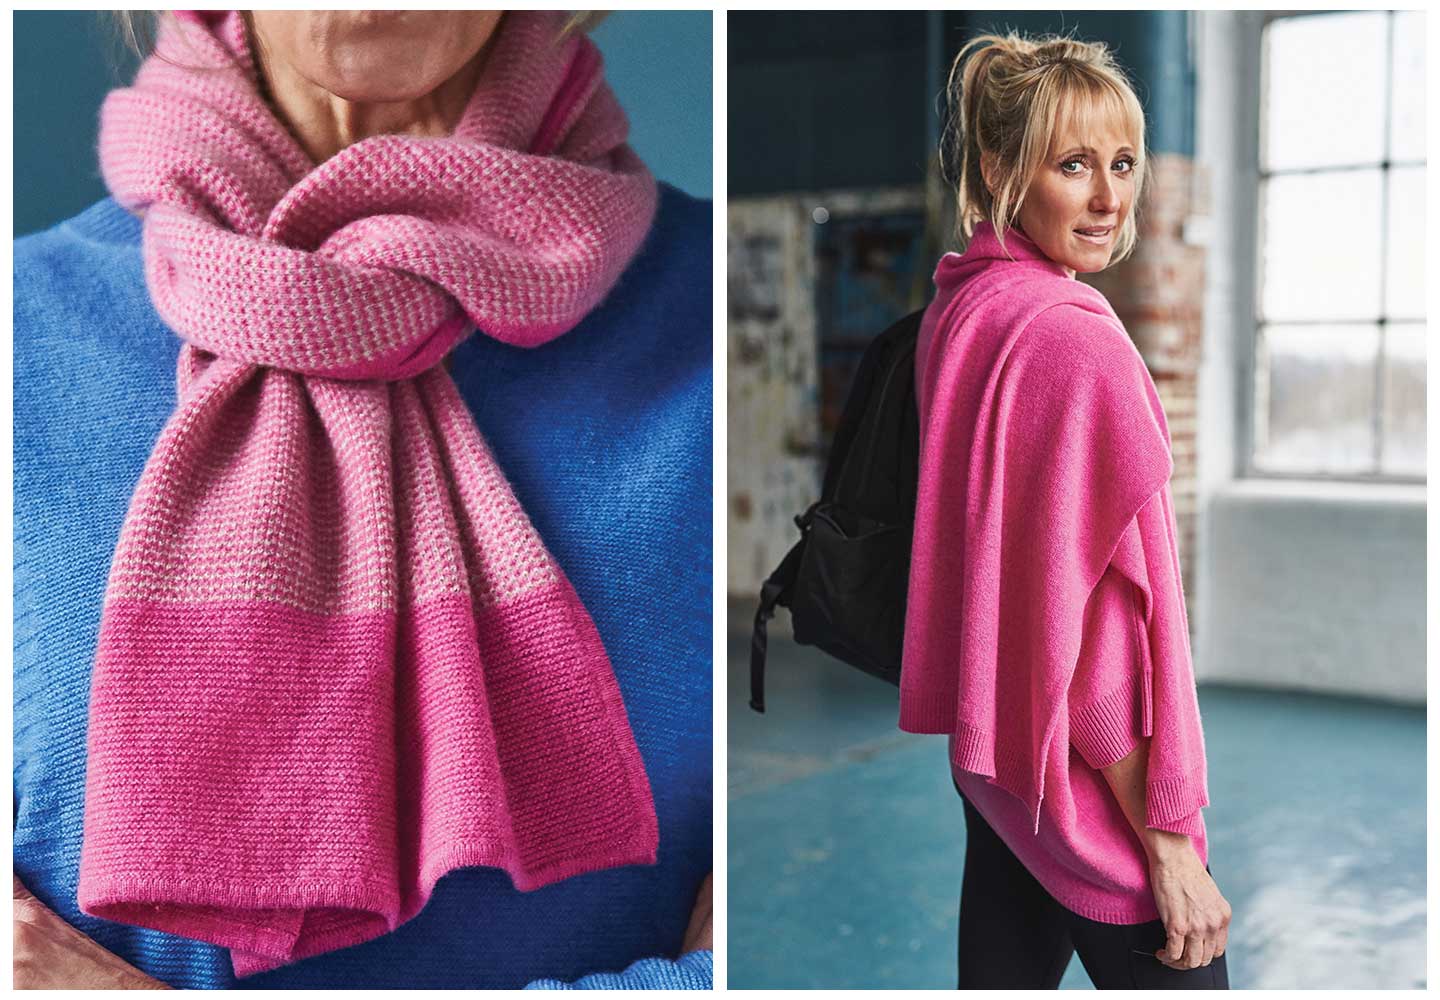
{"x": 846, "y": 837}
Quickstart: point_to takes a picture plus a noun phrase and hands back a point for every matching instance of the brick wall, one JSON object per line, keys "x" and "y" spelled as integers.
{"x": 1159, "y": 294}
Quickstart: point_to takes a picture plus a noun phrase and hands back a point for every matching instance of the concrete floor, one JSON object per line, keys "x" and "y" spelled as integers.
{"x": 846, "y": 838}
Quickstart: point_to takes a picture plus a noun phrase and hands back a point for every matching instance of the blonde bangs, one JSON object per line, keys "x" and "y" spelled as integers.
{"x": 1091, "y": 104}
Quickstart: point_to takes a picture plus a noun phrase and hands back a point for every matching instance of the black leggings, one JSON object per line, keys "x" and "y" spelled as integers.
{"x": 1014, "y": 934}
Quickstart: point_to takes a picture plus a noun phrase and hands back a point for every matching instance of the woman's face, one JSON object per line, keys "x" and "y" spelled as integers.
{"x": 1080, "y": 197}
{"x": 375, "y": 56}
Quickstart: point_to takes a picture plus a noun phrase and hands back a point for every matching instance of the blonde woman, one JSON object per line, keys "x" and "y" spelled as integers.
{"x": 1046, "y": 630}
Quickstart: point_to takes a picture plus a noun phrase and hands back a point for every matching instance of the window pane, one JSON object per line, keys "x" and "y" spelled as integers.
{"x": 1324, "y": 91}
{"x": 1315, "y": 390}
{"x": 1403, "y": 452}
{"x": 1407, "y": 108}
{"x": 1321, "y": 246}
{"x": 1405, "y": 251}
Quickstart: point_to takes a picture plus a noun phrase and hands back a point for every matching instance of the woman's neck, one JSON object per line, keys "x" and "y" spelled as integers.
{"x": 325, "y": 123}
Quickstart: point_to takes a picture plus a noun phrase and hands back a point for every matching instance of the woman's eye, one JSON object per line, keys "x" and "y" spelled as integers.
{"x": 1128, "y": 165}
{"x": 1071, "y": 163}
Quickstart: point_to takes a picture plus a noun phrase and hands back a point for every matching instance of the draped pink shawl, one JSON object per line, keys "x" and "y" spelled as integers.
{"x": 1042, "y": 436}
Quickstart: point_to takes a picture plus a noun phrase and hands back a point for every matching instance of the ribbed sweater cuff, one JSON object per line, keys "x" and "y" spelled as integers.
{"x": 1108, "y": 729}
{"x": 927, "y": 712}
{"x": 1173, "y": 799}
{"x": 1192, "y": 825}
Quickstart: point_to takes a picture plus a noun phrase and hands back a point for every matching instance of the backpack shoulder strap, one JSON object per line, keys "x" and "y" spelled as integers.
{"x": 774, "y": 591}
{"x": 869, "y": 376}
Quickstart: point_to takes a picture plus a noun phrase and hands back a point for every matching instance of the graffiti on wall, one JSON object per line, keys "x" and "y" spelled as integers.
{"x": 755, "y": 273}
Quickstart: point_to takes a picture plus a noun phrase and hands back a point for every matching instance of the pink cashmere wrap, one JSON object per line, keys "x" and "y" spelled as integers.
{"x": 1041, "y": 438}
{"x": 335, "y": 660}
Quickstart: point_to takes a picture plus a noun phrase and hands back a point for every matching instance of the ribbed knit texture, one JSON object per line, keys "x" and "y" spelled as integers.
{"x": 335, "y": 660}
{"x": 1045, "y": 461}
{"x": 692, "y": 971}
{"x": 604, "y": 435}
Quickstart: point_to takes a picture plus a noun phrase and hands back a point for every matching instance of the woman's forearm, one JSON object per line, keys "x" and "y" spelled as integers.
{"x": 1126, "y": 778}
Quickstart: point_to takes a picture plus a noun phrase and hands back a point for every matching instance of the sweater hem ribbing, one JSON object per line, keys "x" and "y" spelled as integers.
{"x": 976, "y": 751}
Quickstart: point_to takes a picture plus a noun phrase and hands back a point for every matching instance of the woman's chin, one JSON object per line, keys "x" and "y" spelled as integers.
{"x": 373, "y": 90}
{"x": 1088, "y": 260}
{"x": 378, "y": 73}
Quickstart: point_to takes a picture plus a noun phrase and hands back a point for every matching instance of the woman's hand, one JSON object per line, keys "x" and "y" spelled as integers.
{"x": 699, "y": 936}
{"x": 1195, "y": 915}
{"x": 50, "y": 954}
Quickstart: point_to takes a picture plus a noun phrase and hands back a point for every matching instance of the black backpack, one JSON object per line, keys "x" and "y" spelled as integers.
{"x": 845, "y": 580}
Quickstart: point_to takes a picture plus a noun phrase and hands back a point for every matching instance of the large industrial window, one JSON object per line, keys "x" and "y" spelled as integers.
{"x": 1340, "y": 304}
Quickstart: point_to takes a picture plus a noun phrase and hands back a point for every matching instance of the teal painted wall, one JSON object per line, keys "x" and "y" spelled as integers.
{"x": 1154, "y": 45}
{"x": 658, "y": 63}
{"x": 841, "y": 100}
{"x": 65, "y": 61}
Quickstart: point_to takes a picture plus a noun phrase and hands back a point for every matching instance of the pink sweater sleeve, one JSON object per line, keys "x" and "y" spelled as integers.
{"x": 1111, "y": 695}
{"x": 1105, "y": 695}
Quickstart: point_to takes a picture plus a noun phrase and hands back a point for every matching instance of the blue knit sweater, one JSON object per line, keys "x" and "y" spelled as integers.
{"x": 605, "y": 436}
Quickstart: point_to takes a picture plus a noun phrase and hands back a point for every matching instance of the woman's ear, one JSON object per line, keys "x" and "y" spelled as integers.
{"x": 987, "y": 170}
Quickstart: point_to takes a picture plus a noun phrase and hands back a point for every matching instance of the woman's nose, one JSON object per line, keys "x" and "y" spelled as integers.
{"x": 1106, "y": 196}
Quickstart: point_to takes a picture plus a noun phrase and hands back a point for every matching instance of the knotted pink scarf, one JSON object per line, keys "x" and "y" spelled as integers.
{"x": 335, "y": 660}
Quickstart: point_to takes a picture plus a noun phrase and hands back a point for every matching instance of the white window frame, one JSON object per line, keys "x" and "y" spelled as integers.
{"x": 1252, "y": 24}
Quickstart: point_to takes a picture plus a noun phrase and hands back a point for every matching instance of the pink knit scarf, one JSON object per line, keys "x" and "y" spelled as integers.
{"x": 335, "y": 660}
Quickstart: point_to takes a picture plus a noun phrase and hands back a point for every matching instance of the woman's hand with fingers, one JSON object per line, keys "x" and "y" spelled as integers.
{"x": 50, "y": 954}
{"x": 1195, "y": 914}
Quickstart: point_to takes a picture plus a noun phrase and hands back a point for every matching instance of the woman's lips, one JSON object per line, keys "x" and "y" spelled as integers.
{"x": 1099, "y": 235}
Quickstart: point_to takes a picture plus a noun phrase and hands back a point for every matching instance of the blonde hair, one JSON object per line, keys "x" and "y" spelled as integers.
{"x": 1008, "y": 95}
